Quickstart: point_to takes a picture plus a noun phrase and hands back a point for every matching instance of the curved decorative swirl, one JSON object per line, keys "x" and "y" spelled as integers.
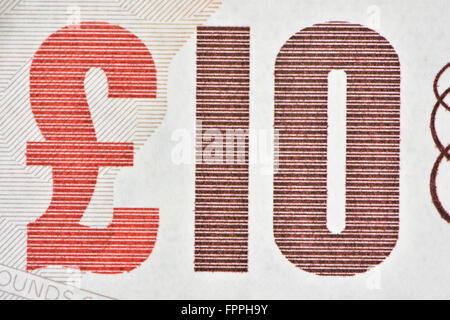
{"x": 444, "y": 151}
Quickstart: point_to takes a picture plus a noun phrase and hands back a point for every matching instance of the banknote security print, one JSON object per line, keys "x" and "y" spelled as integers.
{"x": 224, "y": 149}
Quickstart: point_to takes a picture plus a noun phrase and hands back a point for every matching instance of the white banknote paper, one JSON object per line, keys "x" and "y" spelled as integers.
{"x": 114, "y": 180}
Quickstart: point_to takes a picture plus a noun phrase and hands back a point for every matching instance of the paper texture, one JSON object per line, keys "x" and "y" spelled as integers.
{"x": 160, "y": 82}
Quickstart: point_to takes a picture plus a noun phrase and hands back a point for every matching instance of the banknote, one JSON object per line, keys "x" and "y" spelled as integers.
{"x": 224, "y": 149}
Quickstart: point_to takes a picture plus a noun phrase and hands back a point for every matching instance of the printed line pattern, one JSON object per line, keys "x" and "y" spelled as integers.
{"x": 123, "y": 246}
{"x": 221, "y": 187}
{"x": 372, "y": 155}
{"x": 164, "y": 11}
{"x": 61, "y": 110}
{"x": 86, "y": 154}
{"x": 25, "y": 191}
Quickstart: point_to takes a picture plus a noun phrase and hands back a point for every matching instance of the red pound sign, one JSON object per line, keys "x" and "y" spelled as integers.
{"x": 61, "y": 110}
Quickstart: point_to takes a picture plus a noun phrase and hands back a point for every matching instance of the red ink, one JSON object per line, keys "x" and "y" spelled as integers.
{"x": 61, "y": 110}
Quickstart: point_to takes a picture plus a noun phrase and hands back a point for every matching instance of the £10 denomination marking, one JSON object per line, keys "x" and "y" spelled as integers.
{"x": 221, "y": 209}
